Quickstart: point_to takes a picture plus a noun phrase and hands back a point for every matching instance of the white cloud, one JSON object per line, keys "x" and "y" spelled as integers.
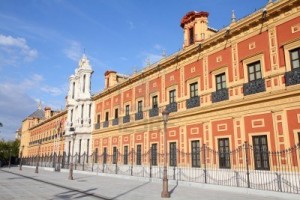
{"x": 74, "y": 51}
{"x": 54, "y": 91}
{"x": 131, "y": 24}
{"x": 15, "y": 50}
{"x": 152, "y": 58}
{"x": 158, "y": 47}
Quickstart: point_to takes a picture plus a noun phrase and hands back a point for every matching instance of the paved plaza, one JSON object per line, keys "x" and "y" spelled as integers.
{"x": 26, "y": 184}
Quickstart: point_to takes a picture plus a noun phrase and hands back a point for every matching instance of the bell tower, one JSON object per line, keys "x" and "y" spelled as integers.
{"x": 195, "y": 27}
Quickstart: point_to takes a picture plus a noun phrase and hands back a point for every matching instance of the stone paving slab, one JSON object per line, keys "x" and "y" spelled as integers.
{"x": 26, "y": 184}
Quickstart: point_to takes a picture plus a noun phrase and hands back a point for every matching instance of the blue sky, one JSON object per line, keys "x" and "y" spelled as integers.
{"x": 41, "y": 42}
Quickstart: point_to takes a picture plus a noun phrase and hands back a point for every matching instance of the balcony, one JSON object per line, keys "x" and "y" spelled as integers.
{"x": 105, "y": 124}
{"x": 172, "y": 107}
{"x": 138, "y": 115}
{"x": 220, "y": 95}
{"x": 153, "y": 112}
{"x": 193, "y": 102}
{"x": 254, "y": 87}
{"x": 126, "y": 119}
{"x": 292, "y": 77}
{"x": 97, "y": 126}
{"x": 115, "y": 121}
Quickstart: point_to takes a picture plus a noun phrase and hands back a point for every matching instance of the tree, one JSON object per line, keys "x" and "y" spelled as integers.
{"x": 1, "y": 125}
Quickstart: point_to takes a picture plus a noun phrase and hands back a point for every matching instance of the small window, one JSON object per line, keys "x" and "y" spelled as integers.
{"x": 173, "y": 156}
{"x": 172, "y": 96}
{"x": 191, "y": 31}
{"x": 73, "y": 90}
{"x": 154, "y": 102}
{"x": 195, "y": 153}
{"x": 254, "y": 71}
{"x": 98, "y": 119}
{"x": 127, "y": 110}
{"x": 260, "y": 150}
{"x": 224, "y": 153}
{"x": 139, "y": 155}
{"x": 116, "y": 113}
{"x": 72, "y": 115}
{"x": 82, "y": 108}
{"x": 106, "y": 116}
{"x": 83, "y": 84}
{"x": 140, "y": 106}
{"x": 154, "y": 154}
{"x": 295, "y": 58}
{"x": 194, "y": 89}
{"x": 125, "y": 155}
{"x": 220, "y": 81}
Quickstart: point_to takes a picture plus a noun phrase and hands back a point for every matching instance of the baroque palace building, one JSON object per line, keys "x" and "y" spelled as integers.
{"x": 224, "y": 88}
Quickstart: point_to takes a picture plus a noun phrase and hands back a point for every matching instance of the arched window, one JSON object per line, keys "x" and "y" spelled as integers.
{"x": 83, "y": 84}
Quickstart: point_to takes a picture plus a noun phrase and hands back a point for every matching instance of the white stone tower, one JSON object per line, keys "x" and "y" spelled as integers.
{"x": 79, "y": 106}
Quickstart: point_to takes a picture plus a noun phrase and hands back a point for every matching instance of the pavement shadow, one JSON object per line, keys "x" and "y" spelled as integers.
{"x": 124, "y": 193}
{"x": 71, "y": 190}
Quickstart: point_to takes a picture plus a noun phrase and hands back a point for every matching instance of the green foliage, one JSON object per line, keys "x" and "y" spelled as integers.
{"x": 9, "y": 147}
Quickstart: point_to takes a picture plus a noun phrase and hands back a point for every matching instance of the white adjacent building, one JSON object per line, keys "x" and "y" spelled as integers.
{"x": 79, "y": 106}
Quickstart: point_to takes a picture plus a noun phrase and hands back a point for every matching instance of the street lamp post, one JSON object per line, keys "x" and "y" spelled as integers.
{"x": 165, "y": 193}
{"x": 71, "y": 164}
{"x": 9, "y": 158}
{"x": 38, "y": 159}
{"x": 21, "y": 155}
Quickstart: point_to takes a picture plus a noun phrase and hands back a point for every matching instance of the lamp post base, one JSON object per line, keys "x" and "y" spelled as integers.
{"x": 165, "y": 193}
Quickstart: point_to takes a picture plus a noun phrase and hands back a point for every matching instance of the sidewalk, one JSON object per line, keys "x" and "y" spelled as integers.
{"x": 26, "y": 184}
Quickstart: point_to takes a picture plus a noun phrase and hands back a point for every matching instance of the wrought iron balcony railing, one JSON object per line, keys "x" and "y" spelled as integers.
{"x": 97, "y": 126}
{"x": 220, "y": 95}
{"x": 115, "y": 121}
{"x": 292, "y": 77}
{"x": 138, "y": 115}
{"x": 126, "y": 119}
{"x": 153, "y": 112}
{"x": 254, "y": 87}
{"x": 193, "y": 102}
{"x": 172, "y": 107}
{"x": 105, "y": 124}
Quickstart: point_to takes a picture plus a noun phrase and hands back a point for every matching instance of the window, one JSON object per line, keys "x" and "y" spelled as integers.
{"x": 82, "y": 107}
{"x": 73, "y": 90}
{"x": 90, "y": 112}
{"x": 140, "y": 106}
{"x": 114, "y": 155}
{"x": 191, "y": 31}
{"x": 224, "y": 153}
{"x": 154, "y": 102}
{"x": 98, "y": 119}
{"x": 260, "y": 150}
{"x": 116, "y": 113}
{"x": 125, "y": 155}
{"x": 295, "y": 58}
{"x": 194, "y": 89}
{"x": 83, "y": 84}
{"x": 154, "y": 154}
{"x": 106, "y": 116}
{"x": 254, "y": 71}
{"x": 299, "y": 138}
{"x": 127, "y": 110}
{"x": 220, "y": 81}
{"x": 71, "y": 116}
{"x": 173, "y": 154}
{"x": 172, "y": 96}
{"x": 139, "y": 155}
{"x": 195, "y": 145}
{"x": 104, "y": 155}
